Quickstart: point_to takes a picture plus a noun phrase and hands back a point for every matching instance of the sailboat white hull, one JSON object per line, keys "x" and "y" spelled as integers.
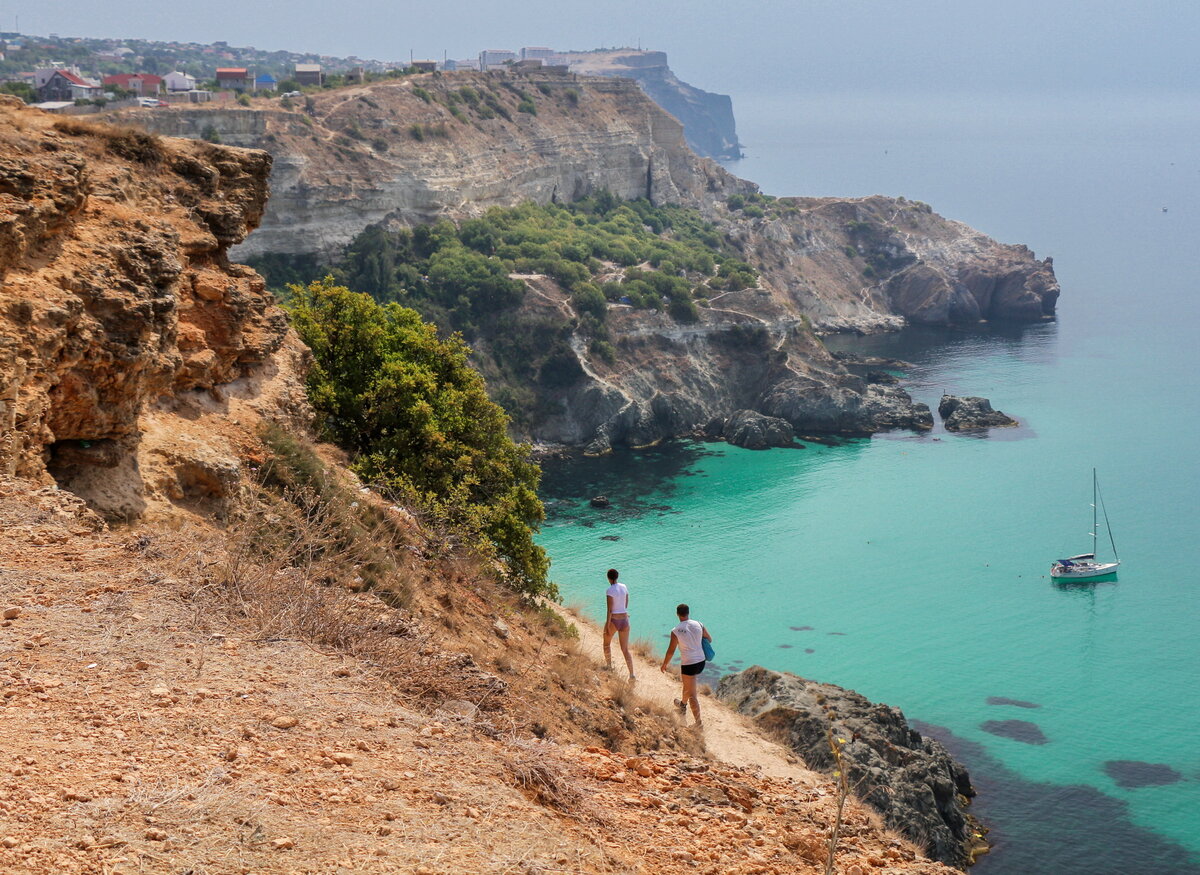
{"x": 1083, "y": 570}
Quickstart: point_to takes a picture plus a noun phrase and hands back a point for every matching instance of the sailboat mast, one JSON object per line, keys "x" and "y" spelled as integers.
{"x": 1094, "y": 520}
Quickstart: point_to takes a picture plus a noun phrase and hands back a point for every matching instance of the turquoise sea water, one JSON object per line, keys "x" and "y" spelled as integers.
{"x": 914, "y": 569}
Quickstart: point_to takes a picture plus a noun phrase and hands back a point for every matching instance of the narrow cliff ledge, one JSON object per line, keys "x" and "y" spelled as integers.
{"x": 912, "y": 781}
{"x": 121, "y": 318}
{"x": 707, "y": 118}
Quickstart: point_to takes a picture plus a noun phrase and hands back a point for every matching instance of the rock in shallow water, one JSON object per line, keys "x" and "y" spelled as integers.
{"x": 971, "y": 411}
{"x": 909, "y": 779}
{"x": 757, "y": 432}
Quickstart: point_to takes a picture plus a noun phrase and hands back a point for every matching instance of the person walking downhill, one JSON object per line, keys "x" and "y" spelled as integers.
{"x": 689, "y": 636}
{"x": 616, "y": 621}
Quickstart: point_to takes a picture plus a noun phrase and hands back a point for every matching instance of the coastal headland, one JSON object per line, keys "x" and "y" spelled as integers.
{"x": 231, "y": 700}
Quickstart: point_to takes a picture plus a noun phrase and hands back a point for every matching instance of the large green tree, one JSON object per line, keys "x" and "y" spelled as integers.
{"x": 417, "y": 418}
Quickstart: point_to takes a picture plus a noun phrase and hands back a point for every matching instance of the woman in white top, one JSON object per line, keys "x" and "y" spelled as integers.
{"x": 616, "y": 620}
{"x": 687, "y": 636}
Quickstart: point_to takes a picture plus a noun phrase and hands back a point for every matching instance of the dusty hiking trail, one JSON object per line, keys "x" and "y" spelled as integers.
{"x": 143, "y": 730}
{"x": 728, "y": 736}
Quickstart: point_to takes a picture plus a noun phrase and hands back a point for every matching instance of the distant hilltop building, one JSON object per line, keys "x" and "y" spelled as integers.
{"x": 463, "y": 64}
{"x": 424, "y": 66}
{"x": 490, "y": 59}
{"x": 537, "y": 53}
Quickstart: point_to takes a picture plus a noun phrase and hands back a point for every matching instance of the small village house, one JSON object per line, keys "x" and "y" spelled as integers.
{"x": 234, "y": 79}
{"x": 309, "y": 74}
{"x": 65, "y": 85}
{"x": 265, "y": 82}
{"x": 424, "y": 66}
{"x": 141, "y": 84}
{"x": 178, "y": 81}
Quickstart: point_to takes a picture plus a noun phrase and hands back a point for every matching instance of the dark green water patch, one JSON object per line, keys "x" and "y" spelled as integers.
{"x": 635, "y": 482}
{"x": 1134, "y": 773}
{"x": 1062, "y": 829}
{"x": 1016, "y": 703}
{"x": 1017, "y": 730}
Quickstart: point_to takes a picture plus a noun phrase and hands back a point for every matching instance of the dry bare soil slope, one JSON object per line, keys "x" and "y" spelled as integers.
{"x": 220, "y": 653}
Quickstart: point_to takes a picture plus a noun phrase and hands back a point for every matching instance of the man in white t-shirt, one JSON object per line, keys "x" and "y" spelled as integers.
{"x": 688, "y": 637}
{"x": 616, "y": 620}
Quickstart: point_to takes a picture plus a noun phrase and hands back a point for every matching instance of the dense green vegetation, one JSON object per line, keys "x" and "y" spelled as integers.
{"x": 601, "y": 250}
{"x": 416, "y": 416}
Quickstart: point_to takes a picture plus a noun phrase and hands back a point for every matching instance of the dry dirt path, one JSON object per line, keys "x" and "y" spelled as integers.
{"x": 728, "y": 736}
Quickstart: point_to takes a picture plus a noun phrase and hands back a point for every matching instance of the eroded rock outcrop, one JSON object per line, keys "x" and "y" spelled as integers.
{"x": 911, "y": 780}
{"x": 117, "y": 303}
{"x": 961, "y": 413}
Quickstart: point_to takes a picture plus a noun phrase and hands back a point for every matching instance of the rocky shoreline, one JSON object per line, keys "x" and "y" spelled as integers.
{"x": 910, "y": 780}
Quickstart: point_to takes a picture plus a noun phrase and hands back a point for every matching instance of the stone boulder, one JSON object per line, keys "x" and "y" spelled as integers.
{"x": 914, "y": 784}
{"x": 757, "y": 432}
{"x": 969, "y": 411}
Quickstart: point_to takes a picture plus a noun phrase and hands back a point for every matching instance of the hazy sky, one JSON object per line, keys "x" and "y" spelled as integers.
{"x": 1025, "y": 46}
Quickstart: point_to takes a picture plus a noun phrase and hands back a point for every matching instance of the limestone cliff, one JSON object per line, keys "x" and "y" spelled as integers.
{"x": 416, "y": 149}
{"x": 435, "y": 146}
{"x": 707, "y": 118}
{"x": 122, "y": 322}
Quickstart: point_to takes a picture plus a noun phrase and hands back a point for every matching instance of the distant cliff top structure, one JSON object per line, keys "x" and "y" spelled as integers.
{"x": 707, "y": 118}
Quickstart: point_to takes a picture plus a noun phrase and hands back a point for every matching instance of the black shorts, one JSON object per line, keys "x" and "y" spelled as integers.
{"x": 693, "y": 669}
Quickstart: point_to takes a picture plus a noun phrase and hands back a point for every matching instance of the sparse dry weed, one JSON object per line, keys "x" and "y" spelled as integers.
{"x": 535, "y": 771}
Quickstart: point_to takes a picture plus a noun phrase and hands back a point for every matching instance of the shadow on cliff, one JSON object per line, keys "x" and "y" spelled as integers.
{"x": 1058, "y": 828}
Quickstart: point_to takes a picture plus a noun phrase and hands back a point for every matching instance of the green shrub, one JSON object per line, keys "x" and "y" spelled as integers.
{"x": 243, "y": 99}
{"x": 572, "y": 95}
{"x": 528, "y": 106}
{"x": 415, "y": 415}
{"x": 422, "y": 93}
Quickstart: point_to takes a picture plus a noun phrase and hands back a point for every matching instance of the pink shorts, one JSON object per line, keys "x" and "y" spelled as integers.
{"x": 619, "y": 624}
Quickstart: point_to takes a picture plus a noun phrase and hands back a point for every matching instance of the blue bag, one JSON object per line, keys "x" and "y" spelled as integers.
{"x": 709, "y": 653}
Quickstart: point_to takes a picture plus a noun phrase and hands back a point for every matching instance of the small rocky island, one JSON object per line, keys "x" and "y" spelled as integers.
{"x": 968, "y": 412}
{"x": 911, "y": 780}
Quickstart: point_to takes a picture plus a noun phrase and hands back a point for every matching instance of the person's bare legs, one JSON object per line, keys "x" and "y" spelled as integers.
{"x": 690, "y": 697}
{"x": 624, "y": 638}
{"x": 608, "y": 635}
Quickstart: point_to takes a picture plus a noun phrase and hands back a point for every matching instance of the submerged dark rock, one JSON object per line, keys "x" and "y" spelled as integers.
{"x": 909, "y": 779}
{"x": 1016, "y": 703}
{"x": 600, "y": 501}
{"x": 971, "y": 411}
{"x": 1017, "y": 730}
{"x": 1134, "y": 773}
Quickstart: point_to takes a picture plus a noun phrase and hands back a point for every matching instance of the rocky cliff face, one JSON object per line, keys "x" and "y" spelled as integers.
{"x": 450, "y": 146}
{"x": 707, "y": 118}
{"x": 416, "y": 149}
{"x": 120, "y": 314}
{"x": 912, "y": 781}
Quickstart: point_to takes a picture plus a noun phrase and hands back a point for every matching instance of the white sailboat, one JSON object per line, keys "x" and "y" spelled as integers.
{"x": 1084, "y": 566}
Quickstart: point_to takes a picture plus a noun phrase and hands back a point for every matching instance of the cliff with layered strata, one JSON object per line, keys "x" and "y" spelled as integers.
{"x": 421, "y": 148}
{"x": 123, "y": 325}
{"x": 707, "y": 118}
